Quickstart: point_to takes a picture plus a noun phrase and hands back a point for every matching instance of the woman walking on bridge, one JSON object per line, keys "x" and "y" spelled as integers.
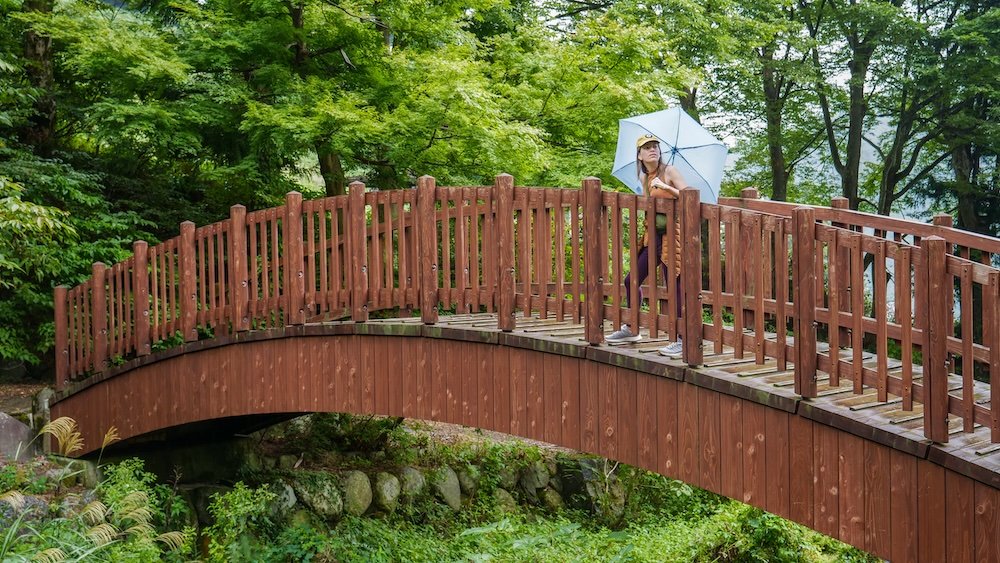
{"x": 657, "y": 179}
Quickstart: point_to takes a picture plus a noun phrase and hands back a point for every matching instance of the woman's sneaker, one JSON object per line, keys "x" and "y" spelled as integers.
{"x": 674, "y": 350}
{"x": 622, "y": 335}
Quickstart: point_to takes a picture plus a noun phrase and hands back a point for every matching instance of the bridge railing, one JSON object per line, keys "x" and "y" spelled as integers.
{"x": 783, "y": 284}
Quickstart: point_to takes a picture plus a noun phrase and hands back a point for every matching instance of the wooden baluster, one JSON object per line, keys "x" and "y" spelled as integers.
{"x": 427, "y": 248}
{"x": 503, "y": 189}
{"x": 238, "y": 274}
{"x": 992, "y": 303}
{"x": 140, "y": 296}
{"x": 804, "y": 276}
{"x": 188, "y": 294}
{"x": 595, "y": 259}
{"x": 59, "y": 300}
{"x": 294, "y": 282}
{"x": 99, "y": 316}
{"x": 358, "y": 252}
{"x": 843, "y": 267}
{"x": 936, "y": 332}
{"x": 690, "y": 203}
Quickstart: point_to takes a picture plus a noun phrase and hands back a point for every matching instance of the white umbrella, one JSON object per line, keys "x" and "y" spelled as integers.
{"x": 684, "y": 143}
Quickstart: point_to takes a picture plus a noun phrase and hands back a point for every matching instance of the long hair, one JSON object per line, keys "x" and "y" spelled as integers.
{"x": 640, "y": 168}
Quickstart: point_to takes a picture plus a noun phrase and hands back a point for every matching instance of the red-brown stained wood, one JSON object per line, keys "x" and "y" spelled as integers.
{"x": 607, "y": 445}
{"x": 502, "y": 389}
{"x": 709, "y": 464}
{"x": 570, "y": 418}
{"x": 935, "y": 380}
{"x": 534, "y": 395}
{"x": 776, "y": 456}
{"x": 691, "y": 273}
{"x": 931, "y": 505}
{"x": 470, "y": 383}
{"x": 801, "y": 470}
{"x": 518, "y": 393}
{"x": 628, "y": 434}
{"x": 852, "y": 490}
{"x": 960, "y": 530}
{"x": 826, "y": 507}
{"x": 451, "y": 362}
{"x": 552, "y": 383}
{"x": 987, "y": 511}
{"x": 427, "y": 247}
{"x": 646, "y": 421}
{"x": 804, "y": 278}
{"x": 754, "y": 454}
{"x": 484, "y": 372}
{"x": 409, "y": 377}
{"x": 903, "y": 506}
{"x": 61, "y": 310}
{"x": 367, "y": 369}
{"x": 667, "y": 426}
{"x": 688, "y": 440}
{"x": 731, "y": 446}
{"x": 595, "y": 255}
{"x": 589, "y": 406}
{"x": 426, "y": 389}
{"x": 504, "y": 194}
{"x": 380, "y": 373}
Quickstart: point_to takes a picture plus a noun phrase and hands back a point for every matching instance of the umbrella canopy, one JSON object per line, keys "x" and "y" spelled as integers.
{"x": 684, "y": 143}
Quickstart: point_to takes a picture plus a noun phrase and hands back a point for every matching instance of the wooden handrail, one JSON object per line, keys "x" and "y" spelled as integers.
{"x": 782, "y": 275}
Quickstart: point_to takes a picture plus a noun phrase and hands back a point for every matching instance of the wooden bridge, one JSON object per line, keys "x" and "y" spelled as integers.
{"x": 839, "y": 368}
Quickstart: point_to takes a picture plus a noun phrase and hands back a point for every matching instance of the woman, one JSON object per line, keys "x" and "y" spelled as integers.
{"x": 658, "y": 180}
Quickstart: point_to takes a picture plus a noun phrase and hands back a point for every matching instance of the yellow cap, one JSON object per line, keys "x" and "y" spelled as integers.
{"x": 645, "y": 138}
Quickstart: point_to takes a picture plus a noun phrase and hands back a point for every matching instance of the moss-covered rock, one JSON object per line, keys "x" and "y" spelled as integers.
{"x": 386, "y": 491}
{"x": 357, "y": 490}
{"x": 447, "y": 488}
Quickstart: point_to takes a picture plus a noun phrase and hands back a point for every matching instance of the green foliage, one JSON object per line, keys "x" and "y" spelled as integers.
{"x": 118, "y": 526}
{"x": 242, "y": 521}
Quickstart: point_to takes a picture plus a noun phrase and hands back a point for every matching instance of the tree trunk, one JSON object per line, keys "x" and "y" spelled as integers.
{"x": 962, "y": 164}
{"x": 773, "y": 105}
{"x": 858, "y": 109}
{"x": 332, "y": 171}
{"x": 40, "y": 129}
{"x": 689, "y": 103}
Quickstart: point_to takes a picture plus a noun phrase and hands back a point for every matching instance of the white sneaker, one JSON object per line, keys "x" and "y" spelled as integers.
{"x": 622, "y": 335}
{"x": 674, "y": 350}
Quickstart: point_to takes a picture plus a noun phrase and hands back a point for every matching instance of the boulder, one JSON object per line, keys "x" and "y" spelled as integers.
{"x": 508, "y": 478}
{"x": 319, "y": 492}
{"x": 533, "y": 478}
{"x": 447, "y": 488}
{"x": 357, "y": 492}
{"x": 552, "y": 500}
{"x": 14, "y": 439}
{"x": 386, "y": 491}
{"x": 504, "y": 501}
{"x": 412, "y": 482}
{"x": 468, "y": 480}
{"x": 284, "y": 499}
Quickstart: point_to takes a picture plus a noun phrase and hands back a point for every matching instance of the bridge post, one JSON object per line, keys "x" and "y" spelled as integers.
{"x": 59, "y": 296}
{"x": 358, "y": 250}
{"x": 804, "y": 284}
{"x": 427, "y": 245}
{"x": 503, "y": 193}
{"x": 595, "y": 259}
{"x": 189, "y": 296}
{"x": 690, "y": 202}
{"x": 99, "y": 315}
{"x": 239, "y": 294}
{"x": 937, "y": 302}
{"x": 295, "y": 290}
{"x": 749, "y": 193}
{"x": 140, "y": 296}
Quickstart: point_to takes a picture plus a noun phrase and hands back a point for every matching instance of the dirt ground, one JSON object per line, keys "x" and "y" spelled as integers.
{"x": 16, "y": 397}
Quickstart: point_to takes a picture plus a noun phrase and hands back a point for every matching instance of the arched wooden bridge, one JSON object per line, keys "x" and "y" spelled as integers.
{"x": 837, "y": 366}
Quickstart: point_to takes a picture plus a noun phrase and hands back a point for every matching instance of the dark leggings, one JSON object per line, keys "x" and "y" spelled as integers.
{"x": 642, "y": 269}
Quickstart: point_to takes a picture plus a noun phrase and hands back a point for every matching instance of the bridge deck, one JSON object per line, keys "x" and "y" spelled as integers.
{"x": 862, "y": 414}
